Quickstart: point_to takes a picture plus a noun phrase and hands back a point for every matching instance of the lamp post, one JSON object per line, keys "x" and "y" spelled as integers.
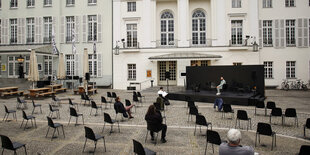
{"x": 116, "y": 49}
{"x": 20, "y": 60}
{"x": 255, "y": 47}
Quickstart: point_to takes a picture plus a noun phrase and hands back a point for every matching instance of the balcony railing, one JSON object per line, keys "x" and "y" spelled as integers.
{"x": 167, "y": 44}
{"x": 132, "y": 45}
{"x": 47, "y": 39}
{"x": 68, "y": 39}
{"x": 238, "y": 43}
{"x": 92, "y": 38}
{"x": 30, "y": 40}
{"x": 199, "y": 43}
{"x": 13, "y": 40}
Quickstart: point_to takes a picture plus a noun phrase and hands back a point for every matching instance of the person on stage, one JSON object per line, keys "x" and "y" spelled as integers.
{"x": 220, "y": 86}
{"x": 162, "y": 92}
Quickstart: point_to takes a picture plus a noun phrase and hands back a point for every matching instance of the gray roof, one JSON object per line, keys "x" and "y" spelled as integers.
{"x": 184, "y": 56}
{"x": 44, "y": 49}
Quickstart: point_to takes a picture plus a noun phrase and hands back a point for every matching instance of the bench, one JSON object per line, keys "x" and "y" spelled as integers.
{"x": 76, "y": 91}
{"x": 93, "y": 90}
{"x": 13, "y": 93}
{"x": 60, "y": 89}
{"x": 47, "y": 94}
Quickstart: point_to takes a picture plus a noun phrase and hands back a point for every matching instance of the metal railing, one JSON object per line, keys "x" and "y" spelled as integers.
{"x": 92, "y": 38}
{"x": 167, "y": 44}
{"x": 13, "y": 40}
{"x": 47, "y": 39}
{"x": 238, "y": 42}
{"x": 131, "y": 45}
{"x": 200, "y": 43}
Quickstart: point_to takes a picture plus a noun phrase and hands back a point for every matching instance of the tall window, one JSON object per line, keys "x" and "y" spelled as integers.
{"x": 199, "y": 28}
{"x": 131, "y": 71}
{"x": 0, "y": 3}
{"x": 167, "y": 29}
{"x": 47, "y": 3}
{"x": 70, "y": 2}
{"x": 13, "y": 4}
{"x": 13, "y": 25}
{"x": 92, "y": 28}
{"x": 290, "y": 69}
{"x": 268, "y": 69}
{"x": 48, "y": 63}
{"x": 70, "y": 27}
{"x": 30, "y": 30}
{"x": 0, "y": 30}
{"x": 47, "y": 29}
{"x": 267, "y": 3}
{"x": 236, "y": 3}
{"x": 290, "y": 32}
{"x": 236, "y": 32}
{"x": 289, "y": 3}
{"x": 70, "y": 65}
{"x": 30, "y": 3}
{"x": 93, "y": 64}
{"x": 131, "y": 6}
{"x": 92, "y": 1}
{"x": 267, "y": 32}
{"x": 132, "y": 40}
{"x": 27, "y": 65}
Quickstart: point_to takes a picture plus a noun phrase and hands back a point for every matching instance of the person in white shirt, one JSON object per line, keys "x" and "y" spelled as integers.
{"x": 220, "y": 86}
{"x": 162, "y": 92}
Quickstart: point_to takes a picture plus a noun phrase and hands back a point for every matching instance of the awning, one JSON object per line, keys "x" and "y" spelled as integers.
{"x": 196, "y": 56}
{"x": 39, "y": 49}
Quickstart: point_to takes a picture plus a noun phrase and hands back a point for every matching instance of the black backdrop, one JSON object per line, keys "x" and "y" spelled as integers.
{"x": 238, "y": 78}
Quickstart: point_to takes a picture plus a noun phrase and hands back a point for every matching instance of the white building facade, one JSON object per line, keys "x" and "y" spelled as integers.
{"x": 28, "y": 24}
{"x": 155, "y": 36}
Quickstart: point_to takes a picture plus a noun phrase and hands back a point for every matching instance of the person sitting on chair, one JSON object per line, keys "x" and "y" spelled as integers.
{"x": 118, "y": 106}
{"x": 233, "y": 146}
{"x": 219, "y": 103}
{"x": 154, "y": 121}
{"x": 162, "y": 94}
{"x": 220, "y": 86}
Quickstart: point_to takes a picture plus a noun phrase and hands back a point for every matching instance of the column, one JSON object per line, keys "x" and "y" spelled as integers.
{"x": 220, "y": 23}
{"x": 146, "y": 26}
{"x": 182, "y": 24}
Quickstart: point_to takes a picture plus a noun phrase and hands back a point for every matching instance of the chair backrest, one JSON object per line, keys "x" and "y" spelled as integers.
{"x": 213, "y": 137}
{"x": 308, "y": 123}
{"x": 264, "y": 129}
{"x": 260, "y": 104}
{"x": 134, "y": 93}
{"x": 276, "y": 112}
{"x": 73, "y": 112}
{"x": 193, "y": 110}
{"x": 103, "y": 100}
{"x": 304, "y": 150}
{"x": 93, "y": 104}
{"x": 19, "y": 100}
{"x": 83, "y": 96}
{"x": 6, "y": 109}
{"x": 54, "y": 98}
{"x": 107, "y": 118}
{"x": 6, "y": 142}
{"x": 70, "y": 101}
{"x": 271, "y": 105}
{"x": 109, "y": 94}
{"x": 50, "y": 106}
{"x": 157, "y": 106}
{"x": 242, "y": 114}
{"x": 24, "y": 115}
{"x": 138, "y": 148}
{"x": 127, "y": 102}
{"x": 114, "y": 95}
{"x": 227, "y": 108}
{"x": 190, "y": 104}
{"x": 135, "y": 98}
{"x": 201, "y": 120}
{"x": 33, "y": 103}
{"x": 86, "y": 96}
{"x": 139, "y": 94}
{"x": 89, "y": 133}
{"x": 50, "y": 122}
{"x": 290, "y": 112}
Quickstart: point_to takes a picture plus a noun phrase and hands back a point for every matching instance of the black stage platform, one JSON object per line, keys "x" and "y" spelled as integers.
{"x": 233, "y": 98}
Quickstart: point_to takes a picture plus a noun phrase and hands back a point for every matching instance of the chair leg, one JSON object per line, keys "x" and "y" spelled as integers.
{"x": 84, "y": 144}
{"x": 76, "y": 121}
{"x": 90, "y": 111}
{"x": 95, "y": 146}
{"x": 83, "y": 119}
{"x": 304, "y": 131}
{"x": 35, "y": 122}
{"x": 212, "y": 148}
{"x": 40, "y": 109}
{"x": 69, "y": 120}
{"x": 47, "y": 131}
{"x": 296, "y": 120}
{"x": 57, "y": 131}
{"x": 206, "y": 148}
{"x": 147, "y": 131}
{"x": 33, "y": 110}
{"x": 255, "y": 139}
{"x": 53, "y": 134}
{"x": 26, "y": 125}
{"x": 4, "y": 117}
{"x": 156, "y": 138}
{"x": 25, "y": 150}
{"x": 105, "y": 149}
{"x": 195, "y": 130}
{"x": 103, "y": 127}
{"x": 63, "y": 131}
{"x": 2, "y": 151}
{"x": 118, "y": 127}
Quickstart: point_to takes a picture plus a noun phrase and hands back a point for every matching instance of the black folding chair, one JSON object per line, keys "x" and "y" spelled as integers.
{"x": 227, "y": 109}
{"x": 56, "y": 100}
{"x": 149, "y": 128}
{"x": 85, "y": 98}
{"x": 140, "y": 96}
{"x": 190, "y": 104}
{"x": 8, "y": 112}
{"x": 269, "y": 105}
{"x": 242, "y": 115}
{"x": 140, "y": 150}
{"x": 201, "y": 121}
{"x": 160, "y": 109}
{"x": 103, "y": 100}
{"x": 192, "y": 111}
{"x": 307, "y": 125}
{"x": 259, "y": 104}
{"x": 52, "y": 110}
{"x": 109, "y": 95}
{"x": 9, "y": 145}
{"x": 55, "y": 126}
{"x": 36, "y": 105}
{"x": 73, "y": 104}
{"x": 30, "y": 117}
{"x": 265, "y": 129}
{"x": 290, "y": 112}
{"x": 114, "y": 95}
{"x": 304, "y": 150}
{"x": 21, "y": 102}
{"x": 94, "y": 106}
{"x": 213, "y": 137}
{"x": 128, "y": 103}
{"x": 89, "y": 134}
{"x": 107, "y": 119}
{"x": 76, "y": 115}
{"x": 276, "y": 112}
{"x": 136, "y": 100}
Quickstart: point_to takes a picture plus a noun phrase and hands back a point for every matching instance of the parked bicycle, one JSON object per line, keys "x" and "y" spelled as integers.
{"x": 285, "y": 85}
{"x": 294, "y": 85}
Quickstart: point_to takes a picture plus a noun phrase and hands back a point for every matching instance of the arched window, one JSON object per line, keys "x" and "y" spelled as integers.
{"x": 166, "y": 29}
{"x": 199, "y": 28}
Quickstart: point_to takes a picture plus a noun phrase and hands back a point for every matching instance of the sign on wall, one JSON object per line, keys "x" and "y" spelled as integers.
{"x": 148, "y": 73}
{"x": 3, "y": 67}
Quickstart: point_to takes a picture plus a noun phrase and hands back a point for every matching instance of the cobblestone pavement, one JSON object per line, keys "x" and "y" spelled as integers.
{"x": 180, "y": 134}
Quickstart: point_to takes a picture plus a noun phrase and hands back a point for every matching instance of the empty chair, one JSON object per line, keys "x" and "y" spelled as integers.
{"x": 52, "y": 110}
{"x": 259, "y": 104}
{"x": 242, "y": 115}
{"x": 136, "y": 100}
{"x": 307, "y": 125}
{"x": 276, "y": 112}
{"x": 265, "y": 129}
{"x": 85, "y": 98}
{"x": 21, "y": 102}
{"x": 290, "y": 112}
{"x": 269, "y": 105}
{"x": 109, "y": 96}
{"x": 7, "y": 112}
{"x": 134, "y": 93}
{"x": 213, "y": 137}
{"x": 128, "y": 103}
{"x": 73, "y": 104}
{"x": 89, "y": 134}
{"x": 56, "y": 100}
{"x": 76, "y": 115}
{"x": 304, "y": 150}
{"x": 140, "y": 150}
{"x": 36, "y": 105}
{"x": 107, "y": 119}
{"x": 94, "y": 106}
{"x": 9, "y": 145}
{"x": 30, "y": 117}
{"x": 114, "y": 95}
{"x": 227, "y": 109}
{"x": 103, "y": 100}
{"x": 201, "y": 121}
{"x": 55, "y": 126}
{"x": 192, "y": 111}
{"x": 140, "y": 96}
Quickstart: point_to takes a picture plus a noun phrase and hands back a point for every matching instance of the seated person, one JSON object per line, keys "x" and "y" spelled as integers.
{"x": 220, "y": 86}
{"x": 219, "y": 103}
{"x": 154, "y": 121}
{"x": 160, "y": 101}
{"x": 233, "y": 146}
{"x": 119, "y": 107}
{"x": 162, "y": 92}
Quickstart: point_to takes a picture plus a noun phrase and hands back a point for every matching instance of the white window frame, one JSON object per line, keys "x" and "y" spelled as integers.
{"x": 92, "y": 2}
{"x": 92, "y": 28}
{"x": 267, "y": 3}
{"x": 30, "y": 3}
{"x": 70, "y": 2}
{"x": 70, "y": 65}
{"x": 290, "y": 3}
{"x": 131, "y": 72}
{"x": 15, "y": 65}
{"x": 14, "y": 4}
{"x": 199, "y": 28}
{"x": 236, "y": 3}
{"x": 26, "y": 65}
{"x": 290, "y": 69}
{"x": 167, "y": 29}
{"x": 47, "y": 2}
{"x": 267, "y": 33}
{"x": 30, "y": 31}
{"x": 70, "y": 25}
{"x": 132, "y": 35}
{"x": 47, "y": 25}
{"x": 13, "y": 31}
{"x": 131, "y": 6}
{"x": 235, "y": 31}
{"x": 93, "y": 64}
{"x": 290, "y": 32}
{"x": 268, "y": 69}
{"x": 48, "y": 65}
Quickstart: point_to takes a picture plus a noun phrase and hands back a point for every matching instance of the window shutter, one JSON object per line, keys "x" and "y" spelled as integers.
{"x": 77, "y": 28}
{"x": 260, "y": 34}
{"x": 40, "y": 29}
{"x": 2, "y": 32}
{"x": 62, "y": 30}
{"x": 19, "y": 31}
{"x": 84, "y": 29}
{"x": 23, "y": 35}
{"x": 306, "y": 33}
{"x": 54, "y": 20}
{"x": 76, "y": 65}
{"x": 282, "y": 34}
{"x": 299, "y": 32}
{"x": 99, "y": 65}
{"x": 277, "y": 34}
{"x": 36, "y": 32}
{"x": 99, "y": 37}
